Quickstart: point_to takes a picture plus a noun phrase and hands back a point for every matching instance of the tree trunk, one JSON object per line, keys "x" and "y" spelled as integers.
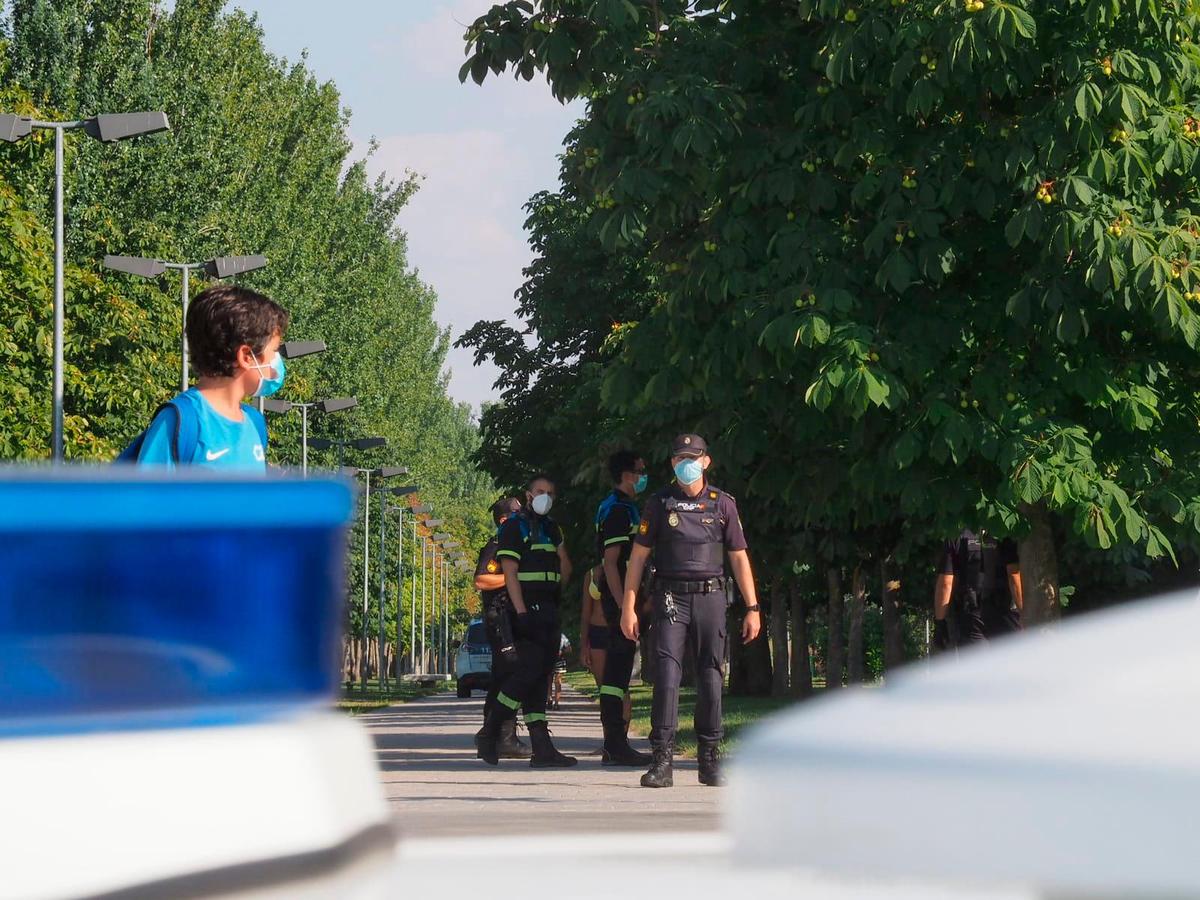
{"x": 893, "y": 634}
{"x": 1039, "y": 569}
{"x": 855, "y": 660}
{"x": 801, "y": 666}
{"x": 835, "y": 658}
{"x": 779, "y": 641}
{"x": 749, "y": 664}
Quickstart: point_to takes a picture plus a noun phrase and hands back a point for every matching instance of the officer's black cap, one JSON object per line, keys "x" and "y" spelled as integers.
{"x": 505, "y": 507}
{"x": 689, "y": 445}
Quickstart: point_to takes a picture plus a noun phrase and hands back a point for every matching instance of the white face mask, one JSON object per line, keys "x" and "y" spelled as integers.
{"x": 541, "y": 504}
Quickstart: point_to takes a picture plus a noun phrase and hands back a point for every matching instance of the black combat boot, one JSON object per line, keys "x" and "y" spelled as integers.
{"x": 488, "y": 737}
{"x": 508, "y": 745}
{"x": 661, "y": 775}
{"x": 709, "y": 757}
{"x": 545, "y": 756}
{"x": 617, "y": 751}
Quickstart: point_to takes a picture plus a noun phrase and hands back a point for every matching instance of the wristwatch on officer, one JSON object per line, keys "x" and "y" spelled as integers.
{"x": 754, "y": 608}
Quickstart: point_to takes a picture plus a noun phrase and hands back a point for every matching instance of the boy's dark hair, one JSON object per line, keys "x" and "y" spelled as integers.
{"x": 621, "y": 462}
{"x": 225, "y": 317}
{"x": 540, "y": 476}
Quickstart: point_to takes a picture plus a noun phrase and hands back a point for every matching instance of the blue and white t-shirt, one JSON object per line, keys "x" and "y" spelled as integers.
{"x": 223, "y": 443}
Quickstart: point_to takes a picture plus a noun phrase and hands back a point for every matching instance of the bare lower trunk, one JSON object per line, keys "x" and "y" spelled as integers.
{"x": 801, "y": 666}
{"x": 855, "y": 669}
{"x": 1039, "y": 569}
{"x": 835, "y": 658}
{"x": 893, "y": 634}
{"x": 779, "y": 641}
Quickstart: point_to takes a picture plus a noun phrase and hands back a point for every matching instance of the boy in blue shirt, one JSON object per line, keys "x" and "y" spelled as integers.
{"x": 233, "y": 335}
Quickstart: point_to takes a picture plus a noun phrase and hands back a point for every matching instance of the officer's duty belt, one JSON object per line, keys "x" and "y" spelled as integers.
{"x": 706, "y": 586}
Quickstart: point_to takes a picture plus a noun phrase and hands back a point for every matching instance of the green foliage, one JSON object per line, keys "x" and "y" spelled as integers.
{"x": 258, "y": 160}
{"x": 917, "y": 263}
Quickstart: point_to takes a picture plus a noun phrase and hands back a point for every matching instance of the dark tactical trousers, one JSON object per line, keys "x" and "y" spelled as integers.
{"x": 618, "y": 669}
{"x": 537, "y": 650}
{"x": 702, "y": 617}
{"x": 493, "y": 613}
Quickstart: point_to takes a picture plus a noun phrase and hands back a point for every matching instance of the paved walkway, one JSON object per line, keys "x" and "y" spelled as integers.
{"x": 439, "y": 789}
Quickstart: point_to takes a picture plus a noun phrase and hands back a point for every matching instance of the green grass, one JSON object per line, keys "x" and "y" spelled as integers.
{"x": 355, "y": 700}
{"x": 737, "y": 712}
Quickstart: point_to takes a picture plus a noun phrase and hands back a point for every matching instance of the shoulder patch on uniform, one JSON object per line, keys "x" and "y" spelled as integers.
{"x": 712, "y": 495}
{"x": 644, "y": 528}
{"x": 492, "y": 566}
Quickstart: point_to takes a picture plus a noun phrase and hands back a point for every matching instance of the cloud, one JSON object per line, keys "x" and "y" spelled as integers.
{"x": 484, "y": 151}
{"x": 464, "y": 230}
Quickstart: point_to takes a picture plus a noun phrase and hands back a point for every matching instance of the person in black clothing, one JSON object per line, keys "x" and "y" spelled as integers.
{"x": 977, "y": 596}
{"x": 689, "y": 526}
{"x": 535, "y": 563}
{"x": 617, "y": 521}
{"x": 497, "y": 616}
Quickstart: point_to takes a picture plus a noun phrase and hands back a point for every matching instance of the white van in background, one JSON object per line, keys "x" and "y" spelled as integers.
{"x": 474, "y": 664}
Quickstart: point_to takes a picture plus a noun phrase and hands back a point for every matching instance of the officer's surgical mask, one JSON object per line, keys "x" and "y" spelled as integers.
{"x": 541, "y": 504}
{"x": 640, "y": 484}
{"x": 689, "y": 471}
{"x": 270, "y": 375}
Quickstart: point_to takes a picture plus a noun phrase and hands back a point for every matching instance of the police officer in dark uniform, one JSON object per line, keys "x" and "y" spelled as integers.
{"x": 977, "y": 596}
{"x": 535, "y": 563}
{"x": 617, "y": 521}
{"x": 689, "y": 527}
{"x": 497, "y": 617}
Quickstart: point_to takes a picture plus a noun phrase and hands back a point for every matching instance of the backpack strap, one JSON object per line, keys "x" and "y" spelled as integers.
{"x": 184, "y": 440}
{"x": 187, "y": 430}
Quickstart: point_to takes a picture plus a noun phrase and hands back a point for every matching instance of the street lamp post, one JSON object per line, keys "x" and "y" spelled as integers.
{"x": 333, "y": 404}
{"x": 398, "y": 492}
{"x": 106, "y": 129}
{"x": 447, "y": 546}
{"x": 219, "y": 267}
{"x": 384, "y": 472}
{"x": 429, "y": 524}
{"x": 400, "y": 509}
{"x": 424, "y": 509}
{"x": 462, "y": 564}
{"x": 439, "y": 571}
{"x": 424, "y": 595}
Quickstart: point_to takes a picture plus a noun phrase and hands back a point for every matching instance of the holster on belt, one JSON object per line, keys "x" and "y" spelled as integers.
{"x": 498, "y": 619}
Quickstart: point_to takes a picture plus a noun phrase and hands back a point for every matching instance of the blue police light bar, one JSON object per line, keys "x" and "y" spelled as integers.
{"x": 135, "y": 599}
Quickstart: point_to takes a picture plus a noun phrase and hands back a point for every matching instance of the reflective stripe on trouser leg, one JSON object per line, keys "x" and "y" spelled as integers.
{"x": 530, "y": 718}
{"x": 618, "y": 667}
{"x": 709, "y": 629}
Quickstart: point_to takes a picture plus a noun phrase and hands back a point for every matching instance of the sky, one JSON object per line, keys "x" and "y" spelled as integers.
{"x": 482, "y": 151}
